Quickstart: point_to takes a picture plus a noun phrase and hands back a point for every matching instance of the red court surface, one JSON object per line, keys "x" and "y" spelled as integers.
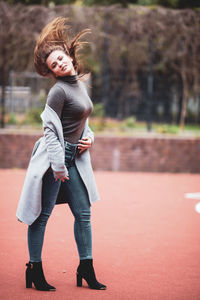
{"x": 146, "y": 240}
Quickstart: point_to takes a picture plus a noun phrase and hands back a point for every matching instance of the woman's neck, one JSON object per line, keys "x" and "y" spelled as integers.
{"x": 68, "y": 78}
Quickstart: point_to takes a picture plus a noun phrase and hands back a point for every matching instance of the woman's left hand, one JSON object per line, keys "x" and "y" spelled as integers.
{"x": 84, "y": 144}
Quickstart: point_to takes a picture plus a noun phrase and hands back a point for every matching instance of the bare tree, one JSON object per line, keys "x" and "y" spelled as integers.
{"x": 181, "y": 45}
{"x": 18, "y": 31}
{"x": 131, "y": 42}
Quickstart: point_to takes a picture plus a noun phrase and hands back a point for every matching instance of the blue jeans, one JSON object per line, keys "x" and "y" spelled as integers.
{"x": 77, "y": 198}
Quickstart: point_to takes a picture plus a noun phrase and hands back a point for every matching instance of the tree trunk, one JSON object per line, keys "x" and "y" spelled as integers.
{"x": 105, "y": 67}
{"x": 180, "y": 99}
{"x": 184, "y": 100}
{"x": 123, "y": 79}
{"x": 150, "y": 86}
{"x": 3, "y": 93}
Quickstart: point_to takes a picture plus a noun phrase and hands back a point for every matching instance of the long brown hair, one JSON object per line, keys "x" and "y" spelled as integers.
{"x": 54, "y": 36}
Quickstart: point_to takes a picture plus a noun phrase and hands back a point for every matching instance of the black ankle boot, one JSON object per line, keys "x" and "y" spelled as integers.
{"x": 85, "y": 270}
{"x": 34, "y": 274}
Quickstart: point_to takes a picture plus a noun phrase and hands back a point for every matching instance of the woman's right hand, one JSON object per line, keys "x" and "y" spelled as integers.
{"x": 62, "y": 179}
{"x": 61, "y": 175}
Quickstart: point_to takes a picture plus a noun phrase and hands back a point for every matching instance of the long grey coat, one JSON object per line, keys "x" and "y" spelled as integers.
{"x": 49, "y": 151}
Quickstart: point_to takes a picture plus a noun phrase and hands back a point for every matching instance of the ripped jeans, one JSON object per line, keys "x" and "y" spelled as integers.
{"x": 77, "y": 198}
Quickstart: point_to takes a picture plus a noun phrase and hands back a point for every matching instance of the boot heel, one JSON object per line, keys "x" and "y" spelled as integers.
{"x": 28, "y": 280}
{"x": 78, "y": 279}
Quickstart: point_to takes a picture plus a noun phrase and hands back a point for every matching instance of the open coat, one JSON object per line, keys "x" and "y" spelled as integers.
{"x": 48, "y": 151}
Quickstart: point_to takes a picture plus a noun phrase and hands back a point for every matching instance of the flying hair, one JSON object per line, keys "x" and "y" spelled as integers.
{"x": 55, "y": 36}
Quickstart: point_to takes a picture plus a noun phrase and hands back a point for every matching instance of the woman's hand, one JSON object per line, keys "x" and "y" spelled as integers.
{"x": 62, "y": 178}
{"x": 61, "y": 175}
{"x": 84, "y": 143}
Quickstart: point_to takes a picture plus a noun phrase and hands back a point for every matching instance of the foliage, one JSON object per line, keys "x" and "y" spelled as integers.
{"x": 33, "y": 116}
{"x": 119, "y": 54}
{"x": 166, "y": 128}
{"x": 17, "y": 36}
{"x": 115, "y": 127}
{"x": 40, "y": 2}
{"x": 18, "y": 30}
{"x": 166, "y": 3}
{"x": 105, "y": 126}
{"x": 12, "y": 119}
{"x": 130, "y": 122}
{"x": 98, "y": 125}
{"x": 123, "y": 3}
{"x": 98, "y": 110}
{"x": 112, "y": 126}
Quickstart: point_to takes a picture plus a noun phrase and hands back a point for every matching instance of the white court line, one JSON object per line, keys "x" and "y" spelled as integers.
{"x": 197, "y": 207}
{"x": 195, "y": 196}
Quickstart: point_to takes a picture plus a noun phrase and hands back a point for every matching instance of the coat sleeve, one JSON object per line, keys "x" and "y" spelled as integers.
{"x": 55, "y": 153}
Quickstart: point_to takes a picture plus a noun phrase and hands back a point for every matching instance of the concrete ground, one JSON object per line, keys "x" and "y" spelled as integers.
{"x": 146, "y": 240}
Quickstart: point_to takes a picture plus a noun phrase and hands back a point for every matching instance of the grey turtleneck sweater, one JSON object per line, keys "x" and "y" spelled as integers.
{"x": 70, "y": 100}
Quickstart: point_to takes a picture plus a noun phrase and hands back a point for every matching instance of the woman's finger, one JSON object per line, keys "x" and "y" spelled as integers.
{"x": 84, "y": 142}
{"x": 62, "y": 179}
{"x": 83, "y": 146}
{"x": 86, "y": 139}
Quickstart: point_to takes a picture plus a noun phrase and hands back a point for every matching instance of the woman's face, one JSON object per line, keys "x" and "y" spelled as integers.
{"x": 60, "y": 63}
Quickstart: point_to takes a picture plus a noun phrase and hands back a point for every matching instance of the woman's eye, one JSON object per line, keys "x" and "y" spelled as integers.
{"x": 60, "y": 58}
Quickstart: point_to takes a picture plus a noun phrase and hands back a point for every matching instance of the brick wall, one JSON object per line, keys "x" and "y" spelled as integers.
{"x": 116, "y": 153}
{"x": 15, "y": 149}
{"x": 146, "y": 154}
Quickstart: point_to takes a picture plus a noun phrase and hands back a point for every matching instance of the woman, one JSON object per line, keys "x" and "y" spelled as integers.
{"x": 60, "y": 170}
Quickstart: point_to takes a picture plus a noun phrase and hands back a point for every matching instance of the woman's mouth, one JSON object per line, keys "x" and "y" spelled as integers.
{"x": 64, "y": 68}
